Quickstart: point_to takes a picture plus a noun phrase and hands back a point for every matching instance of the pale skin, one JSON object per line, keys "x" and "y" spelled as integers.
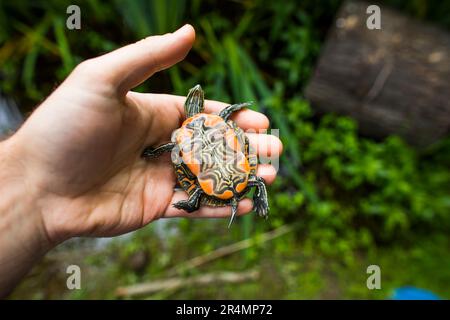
{"x": 75, "y": 168}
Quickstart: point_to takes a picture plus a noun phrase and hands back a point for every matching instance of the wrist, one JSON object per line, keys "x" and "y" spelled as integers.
{"x": 23, "y": 238}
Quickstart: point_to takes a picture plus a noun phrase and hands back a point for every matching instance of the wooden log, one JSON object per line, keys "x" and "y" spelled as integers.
{"x": 394, "y": 80}
{"x": 176, "y": 283}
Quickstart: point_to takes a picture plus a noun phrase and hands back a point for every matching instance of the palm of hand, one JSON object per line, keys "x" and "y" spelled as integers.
{"x": 92, "y": 169}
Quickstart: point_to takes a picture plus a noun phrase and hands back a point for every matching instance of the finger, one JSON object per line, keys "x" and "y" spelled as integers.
{"x": 246, "y": 118}
{"x": 245, "y": 206}
{"x": 131, "y": 65}
{"x": 265, "y": 145}
{"x": 267, "y": 172}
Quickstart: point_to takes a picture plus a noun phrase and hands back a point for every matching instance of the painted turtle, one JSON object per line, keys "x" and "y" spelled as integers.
{"x": 212, "y": 158}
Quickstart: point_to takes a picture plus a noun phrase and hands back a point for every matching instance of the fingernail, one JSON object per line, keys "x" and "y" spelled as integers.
{"x": 184, "y": 28}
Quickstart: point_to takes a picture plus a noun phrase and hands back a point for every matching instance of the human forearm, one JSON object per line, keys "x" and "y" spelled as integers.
{"x": 23, "y": 238}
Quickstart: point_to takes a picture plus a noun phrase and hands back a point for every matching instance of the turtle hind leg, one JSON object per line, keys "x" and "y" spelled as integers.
{"x": 260, "y": 201}
{"x": 227, "y": 111}
{"x": 151, "y": 152}
{"x": 191, "y": 204}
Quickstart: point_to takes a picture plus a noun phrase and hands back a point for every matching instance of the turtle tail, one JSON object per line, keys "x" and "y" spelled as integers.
{"x": 234, "y": 206}
{"x": 194, "y": 101}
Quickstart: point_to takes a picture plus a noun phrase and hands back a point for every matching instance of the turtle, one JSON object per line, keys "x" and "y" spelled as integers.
{"x": 212, "y": 159}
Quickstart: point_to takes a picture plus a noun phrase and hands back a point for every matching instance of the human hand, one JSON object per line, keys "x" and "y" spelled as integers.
{"x": 79, "y": 154}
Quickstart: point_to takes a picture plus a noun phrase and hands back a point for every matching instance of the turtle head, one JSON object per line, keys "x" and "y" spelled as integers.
{"x": 194, "y": 101}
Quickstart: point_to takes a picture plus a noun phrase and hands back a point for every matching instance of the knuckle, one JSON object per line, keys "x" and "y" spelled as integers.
{"x": 85, "y": 68}
{"x": 93, "y": 72}
{"x": 93, "y": 69}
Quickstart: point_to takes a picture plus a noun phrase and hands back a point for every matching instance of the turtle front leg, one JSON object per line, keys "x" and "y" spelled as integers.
{"x": 227, "y": 111}
{"x": 260, "y": 202}
{"x": 191, "y": 204}
{"x": 151, "y": 152}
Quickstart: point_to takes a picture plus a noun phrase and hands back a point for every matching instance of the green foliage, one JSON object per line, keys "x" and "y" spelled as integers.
{"x": 383, "y": 191}
{"x": 345, "y": 194}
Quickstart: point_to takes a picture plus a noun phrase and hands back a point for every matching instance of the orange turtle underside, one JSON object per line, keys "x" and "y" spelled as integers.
{"x": 215, "y": 152}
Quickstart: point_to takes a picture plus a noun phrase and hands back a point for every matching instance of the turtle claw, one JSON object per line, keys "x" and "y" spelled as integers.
{"x": 192, "y": 204}
{"x": 184, "y": 205}
{"x": 151, "y": 153}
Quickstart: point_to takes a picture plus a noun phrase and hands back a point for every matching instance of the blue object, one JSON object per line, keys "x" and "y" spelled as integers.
{"x": 412, "y": 293}
{"x": 10, "y": 116}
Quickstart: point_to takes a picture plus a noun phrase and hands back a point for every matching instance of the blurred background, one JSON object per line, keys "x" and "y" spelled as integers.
{"x": 363, "y": 114}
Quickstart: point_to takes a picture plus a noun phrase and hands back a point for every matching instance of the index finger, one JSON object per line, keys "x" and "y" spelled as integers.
{"x": 245, "y": 118}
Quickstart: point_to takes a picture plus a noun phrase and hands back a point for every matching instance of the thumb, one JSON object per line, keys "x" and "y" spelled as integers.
{"x": 131, "y": 65}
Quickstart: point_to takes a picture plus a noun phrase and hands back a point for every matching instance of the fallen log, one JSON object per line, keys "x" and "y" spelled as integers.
{"x": 176, "y": 283}
{"x": 227, "y": 250}
{"x": 394, "y": 80}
